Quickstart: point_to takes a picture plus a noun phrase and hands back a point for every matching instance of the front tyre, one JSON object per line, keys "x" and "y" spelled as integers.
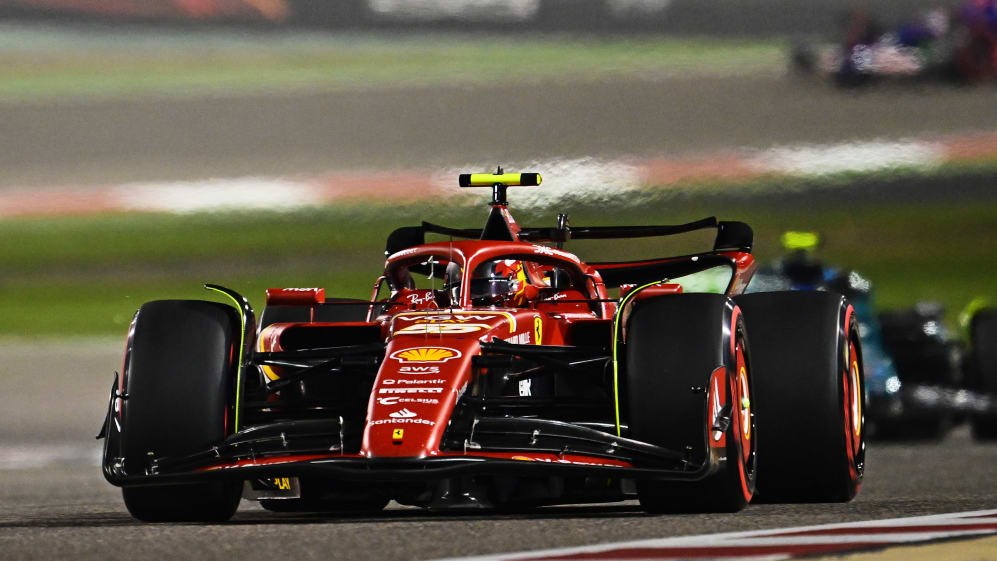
{"x": 689, "y": 387}
{"x": 180, "y": 380}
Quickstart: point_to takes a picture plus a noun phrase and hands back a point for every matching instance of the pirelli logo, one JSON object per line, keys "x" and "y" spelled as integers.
{"x": 409, "y": 390}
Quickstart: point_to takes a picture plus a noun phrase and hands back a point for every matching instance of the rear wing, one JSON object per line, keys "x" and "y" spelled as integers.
{"x": 731, "y": 235}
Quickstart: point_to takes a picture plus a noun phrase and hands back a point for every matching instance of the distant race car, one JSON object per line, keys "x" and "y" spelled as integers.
{"x": 913, "y": 363}
{"x": 937, "y": 45}
{"x": 492, "y": 368}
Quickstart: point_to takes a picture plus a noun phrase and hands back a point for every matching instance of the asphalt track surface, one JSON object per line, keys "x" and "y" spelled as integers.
{"x": 113, "y": 141}
{"x": 64, "y": 509}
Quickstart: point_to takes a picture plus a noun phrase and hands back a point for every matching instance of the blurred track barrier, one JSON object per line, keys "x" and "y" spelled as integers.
{"x": 700, "y": 17}
{"x": 200, "y": 10}
{"x": 564, "y": 178}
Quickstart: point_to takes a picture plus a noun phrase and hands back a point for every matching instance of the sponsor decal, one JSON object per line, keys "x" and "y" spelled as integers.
{"x": 456, "y": 317}
{"x": 282, "y": 483}
{"x": 419, "y": 370}
{"x": 300, "y": 290}
{"x": 426, "y": 354}
{"x": 538, "y": 329}
{"x": 410, "y": 390}
{"x": 400, "y": 400}
{"x": 402, "y": 414}
{"x": 403, "y": 422}
{"x": 550, "y": 251}
{"x": 424, "y": 299}
{"x": 411, "y": 382}
{"x": 519, "y": 339}
{"x": 451, "y": 318}
{"x": 441, "y": 328}
{"x": 525, "y": 388}
{"x": 397, "y": 434}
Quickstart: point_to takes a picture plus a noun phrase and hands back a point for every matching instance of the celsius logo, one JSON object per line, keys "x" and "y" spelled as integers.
{"x": 426, "y": 354}
{"x": 402, "y": 414}
{"x": 398, "y": 400}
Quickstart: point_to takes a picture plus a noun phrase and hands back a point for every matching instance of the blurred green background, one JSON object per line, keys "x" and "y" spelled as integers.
{"x": 85, "y": 106}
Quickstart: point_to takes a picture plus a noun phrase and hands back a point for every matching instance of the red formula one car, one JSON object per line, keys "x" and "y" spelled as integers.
{"x": 494, "y": 369}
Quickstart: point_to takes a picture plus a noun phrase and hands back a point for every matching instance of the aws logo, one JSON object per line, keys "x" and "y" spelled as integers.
{"x": 426, "y": 354}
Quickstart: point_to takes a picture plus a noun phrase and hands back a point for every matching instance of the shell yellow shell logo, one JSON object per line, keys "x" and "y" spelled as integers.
{"x": 426, "y": 354}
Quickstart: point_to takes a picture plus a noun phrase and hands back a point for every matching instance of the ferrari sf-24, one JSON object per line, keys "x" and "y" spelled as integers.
{"x": 494, "y": 369}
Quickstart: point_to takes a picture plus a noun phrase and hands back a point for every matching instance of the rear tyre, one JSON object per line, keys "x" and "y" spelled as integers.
{"x": 688, "y": 369}
{"x": 983, "y": 365}
{"x": 180, "y": 380}
{"x": 808, "y": 377}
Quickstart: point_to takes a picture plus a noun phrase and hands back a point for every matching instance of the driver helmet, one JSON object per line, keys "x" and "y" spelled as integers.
{"x": 500, "y": 282}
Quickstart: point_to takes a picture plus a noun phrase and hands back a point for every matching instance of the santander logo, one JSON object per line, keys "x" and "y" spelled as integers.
{"x": 402, "y": 414}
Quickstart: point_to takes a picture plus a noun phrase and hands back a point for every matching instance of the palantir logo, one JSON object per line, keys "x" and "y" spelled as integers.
{"x": 402, "y": 414}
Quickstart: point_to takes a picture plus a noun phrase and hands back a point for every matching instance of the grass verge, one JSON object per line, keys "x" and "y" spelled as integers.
{"x": 87, "y": 276}
{"x": 129, "y": 65}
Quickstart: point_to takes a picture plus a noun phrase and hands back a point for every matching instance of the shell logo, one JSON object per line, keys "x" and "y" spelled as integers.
{"x": 426, "y": 354}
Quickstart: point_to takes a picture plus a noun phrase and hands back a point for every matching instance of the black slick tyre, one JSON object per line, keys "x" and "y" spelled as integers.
{"x": 983, "y": 369}
{"x": 809, "y": 382}
{"x": 688, "y": 387}
{"x": 179, "y": 376}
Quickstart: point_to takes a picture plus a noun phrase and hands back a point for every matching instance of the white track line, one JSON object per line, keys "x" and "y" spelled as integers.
{"x": 865, "y": 534}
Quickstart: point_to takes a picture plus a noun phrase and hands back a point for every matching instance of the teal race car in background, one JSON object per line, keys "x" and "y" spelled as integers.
{"x": 921, "y": 379}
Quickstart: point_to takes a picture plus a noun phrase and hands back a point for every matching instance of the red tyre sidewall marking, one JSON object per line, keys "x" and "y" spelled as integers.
{"x": 742, "y": 393}
{"x": 736, "y": 396}
{"x": 852, "y": 443}
{"x": 854, "y": 374}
